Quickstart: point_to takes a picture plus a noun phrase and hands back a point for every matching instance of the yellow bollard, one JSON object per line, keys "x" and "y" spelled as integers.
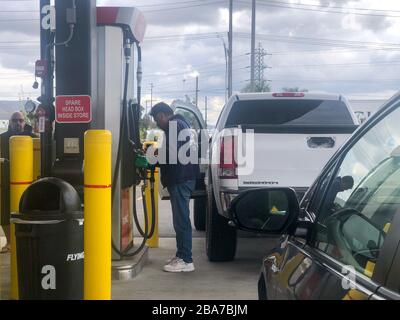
{"x": 21, "y": 171}
{"x": 97, "y": 214}
{"x": 153, "y": 241}
{"x": 36, "y": 158}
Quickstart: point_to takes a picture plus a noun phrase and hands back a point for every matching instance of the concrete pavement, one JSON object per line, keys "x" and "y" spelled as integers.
{"x": 236, "y": 280}
{"x": 224, "y": 281}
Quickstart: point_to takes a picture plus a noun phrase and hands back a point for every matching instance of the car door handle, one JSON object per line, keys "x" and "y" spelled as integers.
{"x": 273, "y": 262}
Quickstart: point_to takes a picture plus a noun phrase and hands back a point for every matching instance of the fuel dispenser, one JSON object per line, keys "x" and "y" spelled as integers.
{"x": 93, "y": 51}
{"x": 119, "y": 30}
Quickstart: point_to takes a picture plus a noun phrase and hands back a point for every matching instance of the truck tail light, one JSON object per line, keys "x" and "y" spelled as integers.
{"x": 289, "y": 95}
{"x": 227, "y": 163}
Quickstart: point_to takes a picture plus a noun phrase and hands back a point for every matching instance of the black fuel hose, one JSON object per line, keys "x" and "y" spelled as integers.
{"x": 125, "y": 128}
{"x": 153, "y": 209}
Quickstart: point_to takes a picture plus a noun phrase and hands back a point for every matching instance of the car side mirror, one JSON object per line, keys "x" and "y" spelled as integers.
{"x": 267, "y": 210}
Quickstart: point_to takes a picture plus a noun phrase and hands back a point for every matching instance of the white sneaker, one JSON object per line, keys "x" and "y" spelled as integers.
{"x": 178, "y": 265}
{"x": 171, "y": 259}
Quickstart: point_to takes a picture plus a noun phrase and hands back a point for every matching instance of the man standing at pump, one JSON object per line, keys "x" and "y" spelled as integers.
{"x": 16, "y": 127}
{"x": 179, "y": 179}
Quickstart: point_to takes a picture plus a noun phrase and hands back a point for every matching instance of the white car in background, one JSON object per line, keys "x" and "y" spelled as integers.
{"x": 295, "y": 134}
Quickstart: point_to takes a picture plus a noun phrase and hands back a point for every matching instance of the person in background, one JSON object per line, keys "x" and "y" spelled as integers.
{"x": 16, "y": 127}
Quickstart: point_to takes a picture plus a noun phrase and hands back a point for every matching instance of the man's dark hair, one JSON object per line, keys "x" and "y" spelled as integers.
{"x": 161, "y": 107}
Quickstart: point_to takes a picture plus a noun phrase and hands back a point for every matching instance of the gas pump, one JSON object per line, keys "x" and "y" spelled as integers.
{"x": 94, "y": 54}
{"x": 123, "y": 27}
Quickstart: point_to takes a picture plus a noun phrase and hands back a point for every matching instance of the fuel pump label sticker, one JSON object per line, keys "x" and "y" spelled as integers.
{"x": 73, "y": 109}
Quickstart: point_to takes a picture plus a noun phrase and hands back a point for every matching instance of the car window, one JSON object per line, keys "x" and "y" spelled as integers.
{"x": 289, "y": 112}
{"x": 362, "y": 199}
{"x": 190, "y": 118}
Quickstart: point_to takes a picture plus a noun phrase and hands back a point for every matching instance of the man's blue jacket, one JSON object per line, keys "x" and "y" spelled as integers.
{"x": 172, "y": 174}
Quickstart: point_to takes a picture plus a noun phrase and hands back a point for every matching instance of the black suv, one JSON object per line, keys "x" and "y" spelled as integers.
{"x": 342, "y": 240}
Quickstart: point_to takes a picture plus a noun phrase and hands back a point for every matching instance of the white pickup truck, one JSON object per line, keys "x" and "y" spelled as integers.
{"x": 285, "y": 139}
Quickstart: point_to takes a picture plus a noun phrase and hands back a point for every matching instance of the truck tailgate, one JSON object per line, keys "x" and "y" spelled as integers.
{"x": 287, "y": 159}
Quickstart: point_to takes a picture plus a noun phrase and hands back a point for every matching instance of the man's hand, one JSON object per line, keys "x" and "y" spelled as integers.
{"x": 149, "y": 147}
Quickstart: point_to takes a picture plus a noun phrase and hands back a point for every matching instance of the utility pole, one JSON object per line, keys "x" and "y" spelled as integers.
{"x": 230, "y": 37}
{"x": 226, "y": 67}
{"x": 205, "y": 110}
{"x": 253, "y": 44}
{"x": 151, "y": 95}
{"x": 197, "y": 91}
{"x": 260, "y": 67}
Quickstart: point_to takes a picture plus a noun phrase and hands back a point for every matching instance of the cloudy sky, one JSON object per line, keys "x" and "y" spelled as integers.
{"x": 340, "y": 46}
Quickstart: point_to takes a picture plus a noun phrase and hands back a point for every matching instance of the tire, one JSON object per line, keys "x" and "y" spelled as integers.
{"x": 220, "y": 237}
{"x": 199, "y": 214}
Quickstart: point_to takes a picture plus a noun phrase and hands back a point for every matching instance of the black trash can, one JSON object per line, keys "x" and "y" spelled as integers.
{"x": 49, "y": 239}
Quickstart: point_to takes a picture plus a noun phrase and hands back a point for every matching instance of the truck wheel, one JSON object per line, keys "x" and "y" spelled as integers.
{"x": 220, "y": 237}
{"x": 199, "y": 214}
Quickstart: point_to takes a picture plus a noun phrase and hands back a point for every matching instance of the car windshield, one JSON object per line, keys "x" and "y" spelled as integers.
{"x": 289, "y": 112}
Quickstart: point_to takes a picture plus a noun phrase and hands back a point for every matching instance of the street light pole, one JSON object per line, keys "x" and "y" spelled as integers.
{"x": 197, "y": 91}
{"x": 226, "y": 66}
{"x": 253, "y": 45}
{"x": 205, "y": 110}
{"x": 151, "y": 95}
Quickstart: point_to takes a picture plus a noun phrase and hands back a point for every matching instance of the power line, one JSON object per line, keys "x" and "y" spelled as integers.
{"x": 20, "y": 20}
{"x": 19, "y": 11}
{"x": 198, "y": 68}
{"x": 278, "y": 38}
{"x": 183, "y": 7}
{"x": 294, "y": 7}
{"x": 379, "y": 63}
{"x": 172, "y": 3}
{"x": 324, "y": 51}
{"x": 21, "y": 41}
{"x": 337, "y": 80}
{"x": 328, "y": 7}
{"x": 322, "y": 41}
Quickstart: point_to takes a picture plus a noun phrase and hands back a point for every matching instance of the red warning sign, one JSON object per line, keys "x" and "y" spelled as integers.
{"x": 73, "y": 109}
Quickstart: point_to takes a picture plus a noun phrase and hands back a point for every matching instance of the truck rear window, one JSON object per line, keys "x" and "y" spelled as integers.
{"x": 289, "y": 112}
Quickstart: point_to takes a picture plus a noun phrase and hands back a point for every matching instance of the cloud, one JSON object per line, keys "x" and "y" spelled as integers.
{"x": 163, "y": 13}
{"x": 375, "y": 24}
{"x": 296, "y": 39}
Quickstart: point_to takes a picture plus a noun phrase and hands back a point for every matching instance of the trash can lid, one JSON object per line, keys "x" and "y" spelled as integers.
{"x": 50, "y": 198}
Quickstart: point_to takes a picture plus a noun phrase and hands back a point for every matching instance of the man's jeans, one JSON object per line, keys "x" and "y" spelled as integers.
{"x": 180, "y": 197}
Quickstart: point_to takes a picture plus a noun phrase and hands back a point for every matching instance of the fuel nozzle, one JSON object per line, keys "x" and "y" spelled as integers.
{"x": 141, "y": 161}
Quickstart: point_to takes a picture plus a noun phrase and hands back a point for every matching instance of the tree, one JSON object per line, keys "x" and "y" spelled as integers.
{"x": 262, "y": 86}
{"x": 293, "y": 89}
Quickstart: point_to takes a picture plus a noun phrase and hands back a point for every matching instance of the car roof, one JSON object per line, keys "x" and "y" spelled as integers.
{"x": 270, "y": 95}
